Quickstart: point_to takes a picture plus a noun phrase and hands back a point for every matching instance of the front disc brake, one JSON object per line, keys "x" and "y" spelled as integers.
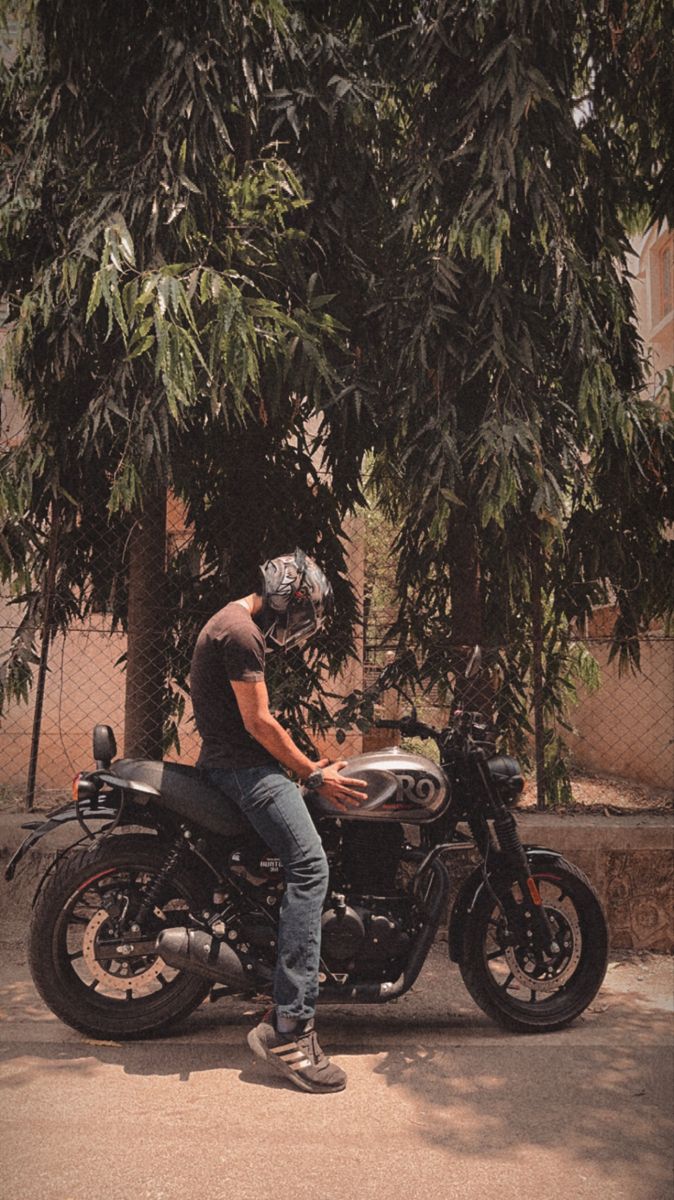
{"x": 554, "y": 971}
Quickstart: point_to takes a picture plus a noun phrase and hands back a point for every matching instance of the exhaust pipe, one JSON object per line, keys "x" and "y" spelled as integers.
{"x": 197, "y": 952}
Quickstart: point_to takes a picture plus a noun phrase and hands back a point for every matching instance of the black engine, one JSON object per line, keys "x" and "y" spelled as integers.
{"x": 369, "y": 937}
{"x": 368, "y": 924}
{"x": 364, "y": 858}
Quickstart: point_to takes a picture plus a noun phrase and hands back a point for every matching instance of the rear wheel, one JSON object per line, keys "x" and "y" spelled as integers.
{"x": 519, "y": 987}
{"x": 91, "y": 899}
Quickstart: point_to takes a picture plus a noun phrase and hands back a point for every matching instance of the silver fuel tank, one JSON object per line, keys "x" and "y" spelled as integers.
{"x": 400, "y": 787}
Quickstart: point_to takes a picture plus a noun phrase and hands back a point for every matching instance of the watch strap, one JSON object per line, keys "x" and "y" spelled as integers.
{"x": 315, "y": 780}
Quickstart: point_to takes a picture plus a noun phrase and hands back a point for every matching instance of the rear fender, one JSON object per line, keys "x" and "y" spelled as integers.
{"x": 110, "y": 810}
{"x": 472, "y": 888}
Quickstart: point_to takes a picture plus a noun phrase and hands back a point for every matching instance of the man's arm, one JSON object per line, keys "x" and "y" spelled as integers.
{"x": 253, "y": 702}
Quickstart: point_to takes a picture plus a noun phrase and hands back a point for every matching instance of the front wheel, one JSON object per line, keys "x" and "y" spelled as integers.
{"x": 88, "y": 904}
{"x": 521, "y": 988}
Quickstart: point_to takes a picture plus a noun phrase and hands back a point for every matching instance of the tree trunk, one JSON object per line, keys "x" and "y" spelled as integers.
{"x": 537, "y": 666}
{"x": 146, "y": 642}
{"x": 465, "y": 590}
{"x": 47, "y": 633}
{"x": 476, "y": 692}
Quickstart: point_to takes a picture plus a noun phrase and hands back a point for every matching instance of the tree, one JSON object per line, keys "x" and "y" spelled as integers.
{"x": 528, "y": 475}
{"x": 406, "y": 223}
{"x": 169, "y": 323}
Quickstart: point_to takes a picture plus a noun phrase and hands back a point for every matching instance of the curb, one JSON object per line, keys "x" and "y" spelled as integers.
{"x": 628, "y": 859}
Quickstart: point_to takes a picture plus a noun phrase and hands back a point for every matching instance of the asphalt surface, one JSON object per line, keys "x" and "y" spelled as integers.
{"x": 439, "y": 1102}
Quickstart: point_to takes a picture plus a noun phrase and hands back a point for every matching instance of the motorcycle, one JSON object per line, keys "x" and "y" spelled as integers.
{"x": 170, "y": 895}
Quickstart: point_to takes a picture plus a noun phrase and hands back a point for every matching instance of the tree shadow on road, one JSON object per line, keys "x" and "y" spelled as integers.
{"x": 598, "y": 1093}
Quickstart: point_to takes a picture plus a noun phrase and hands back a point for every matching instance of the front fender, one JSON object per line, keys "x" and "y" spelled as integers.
{"x": 473, "y": 886}
{"x": 107, "y": 811}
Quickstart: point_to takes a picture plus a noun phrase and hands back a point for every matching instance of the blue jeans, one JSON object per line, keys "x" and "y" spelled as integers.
{"x": 274, "y": 806}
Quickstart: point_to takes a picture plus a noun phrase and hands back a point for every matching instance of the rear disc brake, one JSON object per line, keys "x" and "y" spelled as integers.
{"x": 127, "y": 971}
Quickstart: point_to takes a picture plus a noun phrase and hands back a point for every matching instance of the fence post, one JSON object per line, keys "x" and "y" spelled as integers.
{"x": 44, "y": 657}
{"x": 537, "y": 667}
{"x": 146, "y": 629}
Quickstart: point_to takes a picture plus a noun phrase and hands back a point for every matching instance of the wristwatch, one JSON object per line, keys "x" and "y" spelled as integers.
{"x": 315, "y": 780}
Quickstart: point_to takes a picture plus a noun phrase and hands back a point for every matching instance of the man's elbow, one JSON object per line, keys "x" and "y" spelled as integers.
{"x": 255, "y": 724}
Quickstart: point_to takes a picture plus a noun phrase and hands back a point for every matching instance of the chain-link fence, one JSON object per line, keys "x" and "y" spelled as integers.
{"x": 615, "y": 736}
{"x": 618, "y": 732}
{"x": 624, "y": 727}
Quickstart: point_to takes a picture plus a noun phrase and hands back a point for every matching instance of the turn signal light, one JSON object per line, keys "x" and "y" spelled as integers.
{"x": 84, "y": 788}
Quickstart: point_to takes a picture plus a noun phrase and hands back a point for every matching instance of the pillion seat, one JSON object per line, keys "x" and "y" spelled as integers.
{"x": 183, "y": 790}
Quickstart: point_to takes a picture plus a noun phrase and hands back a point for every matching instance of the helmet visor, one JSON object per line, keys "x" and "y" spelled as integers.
{"x": 298, "y": 598}
{"x": 294, "y": 627}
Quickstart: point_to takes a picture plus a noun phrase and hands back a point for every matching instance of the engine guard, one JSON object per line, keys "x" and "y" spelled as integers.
{"x": 472, "y": 888}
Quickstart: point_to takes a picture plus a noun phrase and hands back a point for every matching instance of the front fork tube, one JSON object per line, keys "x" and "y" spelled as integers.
{"x": 505, "y": 828}
{"x": 508, "y": 836}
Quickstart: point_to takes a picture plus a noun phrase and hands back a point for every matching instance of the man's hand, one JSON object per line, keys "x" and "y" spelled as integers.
{"x": 343, "y": 792}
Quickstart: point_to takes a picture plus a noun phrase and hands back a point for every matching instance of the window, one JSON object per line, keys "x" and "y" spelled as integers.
{"x": 662, "y": 279}
{"x": 666, "y": 279}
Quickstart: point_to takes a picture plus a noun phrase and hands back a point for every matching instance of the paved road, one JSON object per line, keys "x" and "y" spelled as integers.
{"x": 440, "y": 1103}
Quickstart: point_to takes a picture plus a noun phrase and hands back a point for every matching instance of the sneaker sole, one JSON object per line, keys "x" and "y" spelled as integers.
{"x": 260, "y": 1051}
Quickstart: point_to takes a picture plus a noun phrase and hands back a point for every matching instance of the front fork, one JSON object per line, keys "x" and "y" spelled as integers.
{"x": 510, "y": 843}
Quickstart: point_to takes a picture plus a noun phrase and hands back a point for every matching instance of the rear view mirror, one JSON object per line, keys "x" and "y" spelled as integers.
{"x": 105, "y": 747}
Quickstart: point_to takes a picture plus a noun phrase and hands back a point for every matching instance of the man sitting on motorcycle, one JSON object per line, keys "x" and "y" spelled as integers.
{"x": 244, "y": 750}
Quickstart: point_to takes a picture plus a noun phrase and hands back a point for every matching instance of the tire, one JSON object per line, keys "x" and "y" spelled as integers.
{"x": 507, "y": 982}
{"x": 120, "y": 999}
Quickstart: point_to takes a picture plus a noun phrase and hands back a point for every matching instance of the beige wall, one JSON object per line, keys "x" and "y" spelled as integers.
{"x": 626, "y": 728}
{"x": 83, "y": 686}
{"x": 652, "y": 266}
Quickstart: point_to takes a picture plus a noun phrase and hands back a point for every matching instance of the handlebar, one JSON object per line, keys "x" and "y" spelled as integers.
{"x": 462, "y": 724}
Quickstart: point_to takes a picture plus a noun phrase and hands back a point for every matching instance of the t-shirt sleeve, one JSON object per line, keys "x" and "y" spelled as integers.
{"x": 243, "y": 655}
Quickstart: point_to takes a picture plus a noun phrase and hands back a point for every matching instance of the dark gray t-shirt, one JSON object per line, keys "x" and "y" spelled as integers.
{"x": 230, "y": 646}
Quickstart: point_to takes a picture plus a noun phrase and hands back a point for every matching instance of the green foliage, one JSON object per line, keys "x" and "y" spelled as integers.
{"x": 427, "y": 749}
{"x": 512, "y": 411}
{"x": 165, "y": 256}
{"x": 401, "y": 227}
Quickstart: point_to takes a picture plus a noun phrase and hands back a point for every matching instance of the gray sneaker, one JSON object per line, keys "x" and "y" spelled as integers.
{"x": 297, "y": 1056}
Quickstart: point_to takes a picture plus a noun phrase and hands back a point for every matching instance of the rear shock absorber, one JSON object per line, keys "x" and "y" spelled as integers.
{"x": 154, "y": 888}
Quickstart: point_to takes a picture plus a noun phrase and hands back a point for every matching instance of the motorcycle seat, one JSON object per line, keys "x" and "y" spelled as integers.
{"x": 183, "y": 790}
